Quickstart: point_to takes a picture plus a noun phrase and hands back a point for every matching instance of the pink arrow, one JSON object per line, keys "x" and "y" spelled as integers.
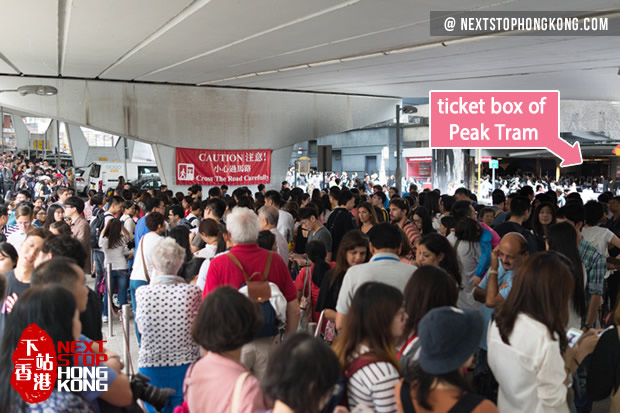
{"x": 569, "y": 154}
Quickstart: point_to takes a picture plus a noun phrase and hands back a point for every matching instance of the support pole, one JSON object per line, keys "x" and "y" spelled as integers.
{"x": 398, "y": 174}
{"x": 108, "y": 284}
{"x": 58, "y": 145}
{"x": 479, "y": 172}
{"x": 126, "y": 320}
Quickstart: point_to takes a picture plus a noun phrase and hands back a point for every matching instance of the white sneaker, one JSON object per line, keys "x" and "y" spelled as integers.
{"x": 104, "y": 318}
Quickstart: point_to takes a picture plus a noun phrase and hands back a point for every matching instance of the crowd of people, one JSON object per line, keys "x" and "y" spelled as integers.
{"x": 341, "y": 299}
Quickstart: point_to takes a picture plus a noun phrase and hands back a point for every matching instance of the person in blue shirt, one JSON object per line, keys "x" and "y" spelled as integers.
{"x": 492, "y": 291}
{"x": 150, "y": 205}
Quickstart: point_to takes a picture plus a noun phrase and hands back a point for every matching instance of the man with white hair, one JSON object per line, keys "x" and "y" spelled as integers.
{"x": 268, "y": 218}
{"x": 242, "y": 226}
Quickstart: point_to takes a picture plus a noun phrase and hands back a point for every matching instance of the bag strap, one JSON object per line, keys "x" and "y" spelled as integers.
{"x": 236, "y": 397}
{"x": 405, "y": 398}
{"x": 146, "y": 272}
{"x": 267, "y": 266}
{"x": 360, "y": 362}
{"x": 238, "y": 264}
{"x": 306, "y": 278}
{"x": 467, "y": 403}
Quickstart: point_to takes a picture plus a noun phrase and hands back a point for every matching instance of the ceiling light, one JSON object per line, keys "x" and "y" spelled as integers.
{"x": 40, "y": 90}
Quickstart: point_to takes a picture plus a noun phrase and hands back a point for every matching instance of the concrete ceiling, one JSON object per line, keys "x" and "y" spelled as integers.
{"x": 204, "y": 42}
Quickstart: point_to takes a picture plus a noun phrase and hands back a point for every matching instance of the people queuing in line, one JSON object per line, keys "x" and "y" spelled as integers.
{"x": 419, "y": 300}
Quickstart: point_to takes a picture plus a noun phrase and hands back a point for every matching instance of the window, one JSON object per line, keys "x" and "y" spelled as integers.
{"x": 37, "y": 125}
{"x": 337, "y": 155}
{"x": 312, "y": 147}
{"x": 64, "y": 139}
{"x": 98, "y": 138}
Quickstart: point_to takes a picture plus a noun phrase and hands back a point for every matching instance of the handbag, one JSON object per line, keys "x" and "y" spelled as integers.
{"x": 305, "y": 304}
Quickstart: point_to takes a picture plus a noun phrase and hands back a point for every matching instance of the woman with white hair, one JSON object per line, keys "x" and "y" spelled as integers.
{"x": 165, "y": 312}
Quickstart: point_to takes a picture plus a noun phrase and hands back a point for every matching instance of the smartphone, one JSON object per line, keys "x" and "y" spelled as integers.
{"x": 573, "y": 335}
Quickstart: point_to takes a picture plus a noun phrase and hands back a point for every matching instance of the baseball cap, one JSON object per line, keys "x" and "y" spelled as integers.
{"x": 448, "y": 337}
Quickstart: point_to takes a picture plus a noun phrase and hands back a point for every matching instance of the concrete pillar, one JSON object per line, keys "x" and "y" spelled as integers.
{"x": 449, "y": 169}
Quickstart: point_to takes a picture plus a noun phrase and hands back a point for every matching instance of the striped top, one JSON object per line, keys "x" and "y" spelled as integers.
{"x": 373, "y": 386}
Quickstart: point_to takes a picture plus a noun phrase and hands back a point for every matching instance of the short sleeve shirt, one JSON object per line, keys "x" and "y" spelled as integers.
{"x": 323, "y": 235}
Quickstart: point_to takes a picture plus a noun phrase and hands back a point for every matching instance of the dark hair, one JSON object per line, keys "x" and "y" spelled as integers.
{"x": 51, "y": 211}
{"x": 344, "y": 196}
{"x": 62, "y": 227}
{"x": 448, "y": 221}
{"x": 429, "y": 287}
{"x": 525, "y": 191}
{"x": 51, "y": 308}
{"x": 562, "y": 238}
{"x": 154, "y": 220}
{"x": 177, "y": 210}
{"x": 217, "y": 207}
{"x": 113, "y": 231}
{"x": 519, "y": 205}
{"x": 215, "y": 192}
{"x": 385, "y": 235}
{"x": 447, "y": 201}
{"x": 65, "y": 246}
{"x": 75, "y": 202}
{"x": 462, "y": 191}
{"x": 59, "y": 270}
{"x": 274, "y": 196}
{"x": 266, "y": 239}
{"x": 370, "y": 317}
{"x": 427, "y": 221}
{"x": 317, "y": 253}
{"x": 8, "y": 251}
{"x": 541, "y": 289}
{"x": 400, "y": 203}
{"x": 498, "y": 196}
{"x": 209, "y": 228}
{"x": 438, "y": 244}
{"x": 150, "y": 204}
{"x": 485, "y": 210}
{"x": 190, "y": 269}
{"x": 301, "y": 392}
{"x": 425, "y": 382}
{"x": 431, "y": 203}
{"x": 593, "y": 212}
{"x": 461, "y": 210}
{"x": 180, "y": 234}
{"x": 307, "y": 212}
{"x": 350, "y": 240}
{"x": 226, "y": 321}
{"x": 536, "y": 225}
{"x": 97, "y": 199}
{"x": 381, "y": 195}
{"x": 572, "y": 211}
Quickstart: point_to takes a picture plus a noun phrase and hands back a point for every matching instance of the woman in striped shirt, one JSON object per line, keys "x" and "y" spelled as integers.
{"x": 366, "y": 346}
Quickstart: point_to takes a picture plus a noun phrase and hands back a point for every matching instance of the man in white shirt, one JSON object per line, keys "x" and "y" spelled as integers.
{"x": 268, "y": 218}
{"x": 384, "y": 266}
{"x": 142, "y": 271}
{"x": 286, "y": 224}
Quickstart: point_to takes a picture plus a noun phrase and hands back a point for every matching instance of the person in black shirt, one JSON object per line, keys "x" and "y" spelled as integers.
{"x": 341, "y": 220}
{"x": 519, "y": 213}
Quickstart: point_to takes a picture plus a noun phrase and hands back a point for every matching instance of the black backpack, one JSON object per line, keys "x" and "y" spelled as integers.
{"x": 96, "y": 228}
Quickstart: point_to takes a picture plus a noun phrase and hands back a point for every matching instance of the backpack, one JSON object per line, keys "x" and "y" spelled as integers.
{"x": 189, "y": 223}
{"x": 268, "y": 295}
{"x": 96, "y": 228}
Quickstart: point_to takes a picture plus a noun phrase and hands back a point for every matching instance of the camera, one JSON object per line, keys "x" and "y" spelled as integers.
{"x": 152, "y": 395}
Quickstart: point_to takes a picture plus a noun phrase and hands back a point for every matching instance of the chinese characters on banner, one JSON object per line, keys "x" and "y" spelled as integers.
{"x": 34, "y": 361}
{"x": 211, "y": 167}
